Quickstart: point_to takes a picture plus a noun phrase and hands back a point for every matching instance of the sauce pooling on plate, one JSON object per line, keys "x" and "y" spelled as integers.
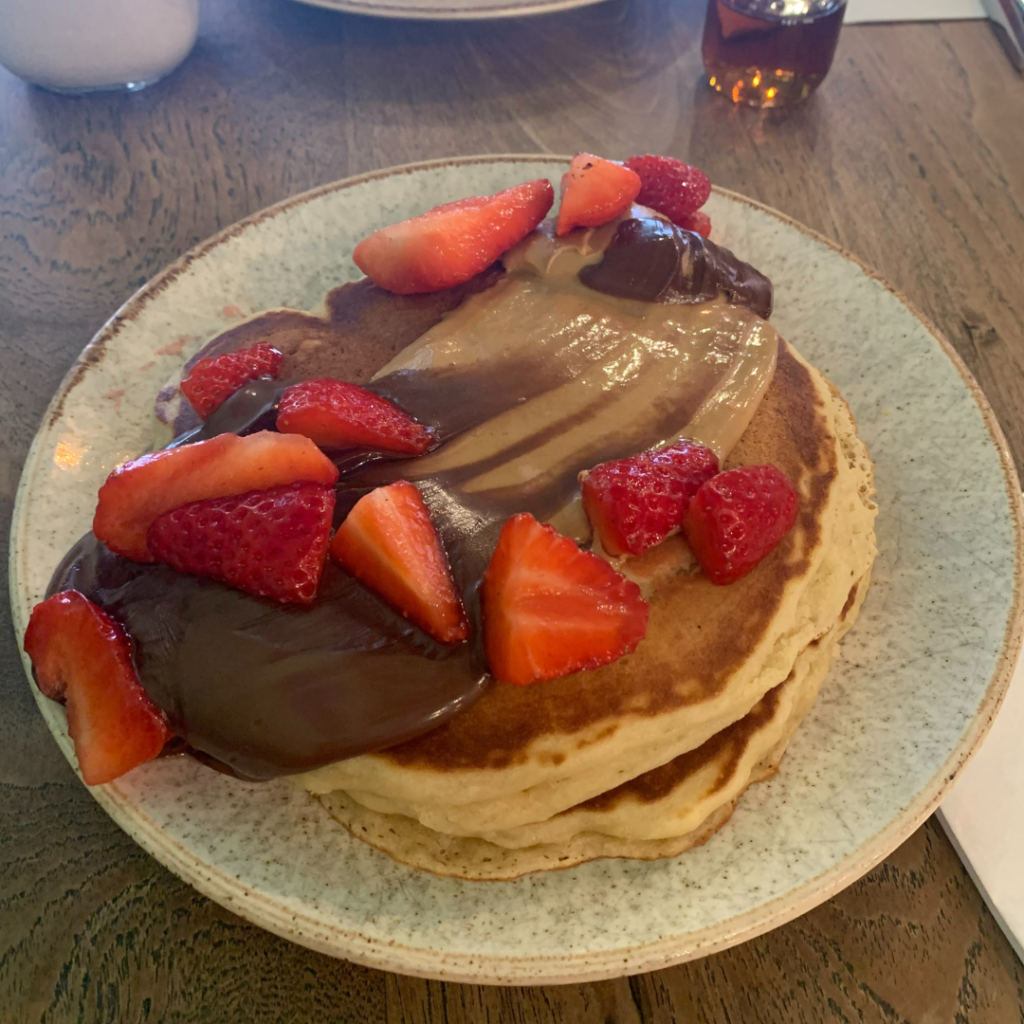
{"x": 528, "y": 383}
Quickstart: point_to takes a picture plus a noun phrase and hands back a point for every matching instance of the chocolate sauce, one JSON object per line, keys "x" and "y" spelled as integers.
{"x": 652, "y": 260}
{"x": 268, "y": 689}
{"x": 252, "y": 408}
{"x": 525, "y": 386}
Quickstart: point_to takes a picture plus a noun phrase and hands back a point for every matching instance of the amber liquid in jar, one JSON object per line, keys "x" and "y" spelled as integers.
{"x": 767, "y": 53}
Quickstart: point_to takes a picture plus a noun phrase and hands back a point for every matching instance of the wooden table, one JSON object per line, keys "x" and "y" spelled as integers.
{"x": 911, "y": 156}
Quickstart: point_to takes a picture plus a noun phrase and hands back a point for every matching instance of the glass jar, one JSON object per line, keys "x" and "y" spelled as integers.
{"x": 767, "y": 53}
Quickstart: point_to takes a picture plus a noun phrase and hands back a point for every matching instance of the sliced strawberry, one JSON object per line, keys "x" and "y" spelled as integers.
{"x": 212, "y": 381}
{"x": 82, "y": 657}
{"x": 635, "y": 503}
{"x": 335, "y": 414}
{"x": 269, "y": 543}
{"x": 737, "y": 518}
{"x": 137, "y": 492}
{"x": 551, "y": 609}
{"x": 595, "y": 191}
{"x": 450, "y": 244}
{"x": 671, "y": 187}
{"x": 389, "y": 543}
{"x": 699, "y": 222}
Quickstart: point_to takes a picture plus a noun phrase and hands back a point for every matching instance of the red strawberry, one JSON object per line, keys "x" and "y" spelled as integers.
{"x": 699, "y": 222}
{"x": 737, "y": 518}
{"x": 212, "y": 381}
{"x": 335, "y": 414}
{"x": 81, "y": 656}
{"x": 595, "y": 191}
{"x": 270, "y": 543}
{"x": 137, "y": 492}
{"x": 450, "y": 244}
{"x": 551, "y": 609}
{"x": 671, "y": 187}
{"x": 635, "y": 503}
{"x": 389, "y": 543}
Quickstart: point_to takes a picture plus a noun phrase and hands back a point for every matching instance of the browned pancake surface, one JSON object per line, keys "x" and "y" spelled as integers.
{"x": 660, "y": 782}
{"x": 722, "y": 626}
{"x": 365, "y": 327}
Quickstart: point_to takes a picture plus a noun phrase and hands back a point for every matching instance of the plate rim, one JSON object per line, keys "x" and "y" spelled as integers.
{"x": 334, "y": 940}
{"x": 396, "y": 12}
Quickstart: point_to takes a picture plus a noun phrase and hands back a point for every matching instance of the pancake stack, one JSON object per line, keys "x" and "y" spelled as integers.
{"x": 646, "y": 757}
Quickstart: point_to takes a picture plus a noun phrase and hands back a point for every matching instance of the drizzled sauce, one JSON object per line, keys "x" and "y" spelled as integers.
{"x": 527, "y": 384}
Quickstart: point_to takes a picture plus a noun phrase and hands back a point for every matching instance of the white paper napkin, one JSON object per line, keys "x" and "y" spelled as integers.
{"x": 984, "y": 815}
{"x": 860, "y": 11}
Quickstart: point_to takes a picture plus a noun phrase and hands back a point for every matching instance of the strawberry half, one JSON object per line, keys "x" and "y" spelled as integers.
{"x": 389, "y": 543}
{"x": 335, "y": 414}
{"x": 82, "y": 657}
{"x": 635, "y": 503}
{"x": 270, "y": 543}
{"x": 551, "y": 609}
{"x": 698, "y": 222}
{"x": 595, "y": 191}
{"x": 737, "y": 518}
{"x": 212, "y": 381}
{"x": 141, "y": 490}
{"x": 671, "y": 187}
{"x": 451, "y": 244}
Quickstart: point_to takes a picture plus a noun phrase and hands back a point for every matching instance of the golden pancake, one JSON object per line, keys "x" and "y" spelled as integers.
{"x": 689, "y": 798}
{"x": 647, "y": 756}
{"x": 523, "y": 755}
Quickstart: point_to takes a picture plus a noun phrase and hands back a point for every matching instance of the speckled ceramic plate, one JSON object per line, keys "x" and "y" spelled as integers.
{"x": 449, "y": 10}
{"x": 921, "y": 678}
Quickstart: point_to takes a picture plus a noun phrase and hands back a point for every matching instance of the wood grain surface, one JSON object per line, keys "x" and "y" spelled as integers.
{"x": 911, "y": 156}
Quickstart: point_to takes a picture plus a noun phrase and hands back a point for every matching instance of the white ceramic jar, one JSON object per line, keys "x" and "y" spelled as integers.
{"x": 86, "y": 45}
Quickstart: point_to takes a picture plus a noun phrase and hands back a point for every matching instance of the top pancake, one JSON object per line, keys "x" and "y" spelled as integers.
{"x": 522, "y": 755}
{"x": 658, "y": 814}
{"x": 682, "y": 802}
{"x": 502, "y": 726}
